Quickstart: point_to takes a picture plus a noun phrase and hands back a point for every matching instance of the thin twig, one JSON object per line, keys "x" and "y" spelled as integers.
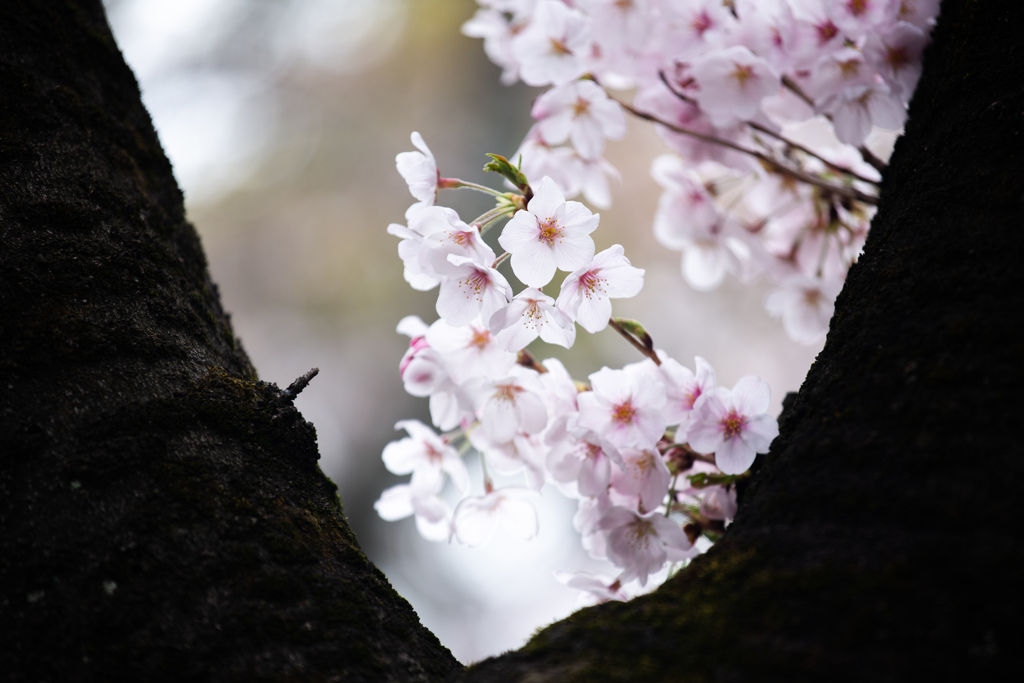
{"x": 865, "y": 153}
{"x": 296, "y": 387}
{"x": 797, "y": 146}
{"x": 634, "y": 341}
{"x": 848, "y": 192}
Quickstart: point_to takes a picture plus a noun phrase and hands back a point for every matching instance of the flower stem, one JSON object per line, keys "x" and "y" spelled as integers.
{"x": 640, "y": 346}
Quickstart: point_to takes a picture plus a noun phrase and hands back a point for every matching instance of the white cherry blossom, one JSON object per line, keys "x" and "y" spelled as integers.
{"x": 419, "y": 169}
{"x": 529, "y": 315}
{"x": 552, "y": 233}
{"x": 587, "y": 292}
{"x": 476, "y": 518}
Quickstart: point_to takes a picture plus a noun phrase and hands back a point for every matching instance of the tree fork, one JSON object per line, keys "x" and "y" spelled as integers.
{"x": 162, "y": 513}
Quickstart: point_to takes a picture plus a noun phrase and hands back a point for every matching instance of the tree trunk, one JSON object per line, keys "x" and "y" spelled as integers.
{"x": 162, "y": 516}
{"x": 162, "y": 513}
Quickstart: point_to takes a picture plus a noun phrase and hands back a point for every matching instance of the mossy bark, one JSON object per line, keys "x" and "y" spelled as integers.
{"x": 162, "y": 513}
{"x": 881, "y": 538}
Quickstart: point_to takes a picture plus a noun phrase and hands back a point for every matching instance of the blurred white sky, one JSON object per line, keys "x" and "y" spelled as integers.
{"x": 282, "y": 119}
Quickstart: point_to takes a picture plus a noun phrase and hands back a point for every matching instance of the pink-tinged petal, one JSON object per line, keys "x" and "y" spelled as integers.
{"x": 751, "y": 396}
{"x": 734, "y": 456}
{"x": 759, "y": 432}
{"x": 394, "y": 503}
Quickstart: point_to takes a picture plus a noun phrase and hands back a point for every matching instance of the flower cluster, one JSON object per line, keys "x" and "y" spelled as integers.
{"x": 740, "y": 91}
{"x": 651, "y": 450}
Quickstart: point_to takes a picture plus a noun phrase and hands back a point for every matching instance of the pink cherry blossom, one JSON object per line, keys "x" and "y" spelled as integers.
{"x": 682, "y": 389}
{"x": 642, "y": 543}
{"x": 587, "y": 292}
{"x": 580, "y": 111}
{"x": 624, "y": 406}
{"x": 643, "y": 477}
{"x": 733, "y": 81}
{"x": 469, "y": 351}
{"x": 734, "y": 424}
{"x": 552, "y": 49}
{"x": 552, "y": 233}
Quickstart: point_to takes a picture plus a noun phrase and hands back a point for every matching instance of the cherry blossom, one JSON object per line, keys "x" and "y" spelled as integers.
{"x": 433, "y": 518}
{"x": 529, "y": 315}
{"x": 552, "y": 48}
{"x": 420, "y": 171}
{"x": 552, "y": 233}
{"x": 476, "y": 518}
{"x": 734, "y": 424}
{"x": 642, "y": 543}
{"x": 805, "y": 305}
{"x": 425, "y": 455}
{"x": 682, "y": 389}
{"x": 624, "y": 406}
{"x": 469, "y": 291}
{"x": 580, "y": 111}
{"x": 587, "y": 292}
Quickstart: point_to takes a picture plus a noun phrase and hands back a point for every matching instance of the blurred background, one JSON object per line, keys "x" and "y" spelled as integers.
{"x": 282, "y": 119}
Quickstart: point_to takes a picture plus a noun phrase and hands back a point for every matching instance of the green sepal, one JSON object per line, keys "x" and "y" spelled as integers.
{"x": 702, "y": 480}
{"x": 637, "y": 330}
{"x": 503, "y": 166}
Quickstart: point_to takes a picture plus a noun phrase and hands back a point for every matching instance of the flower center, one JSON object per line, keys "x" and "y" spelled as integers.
{"x": 550, "y": 232}
{"x": 480, "y": 339}
{"x": 857, "y": 7}
{"x": 580, "y": 107}
{"x": 623, "y": 413}
{"x": 826, "y": 32}
{"x": 732, "y": 424}
{"x": 558, "y": 47}
{"x": 743, "y": 73}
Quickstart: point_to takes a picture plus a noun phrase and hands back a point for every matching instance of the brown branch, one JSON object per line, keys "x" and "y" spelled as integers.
{"x": 848, "y": 192}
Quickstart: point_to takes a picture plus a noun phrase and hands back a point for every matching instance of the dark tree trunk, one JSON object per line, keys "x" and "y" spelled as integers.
{"x": 162, "y": 516}
{"x": 162, "y": 513}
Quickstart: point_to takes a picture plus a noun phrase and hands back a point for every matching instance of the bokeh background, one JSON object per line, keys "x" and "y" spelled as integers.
{"x": 282, "y": 119}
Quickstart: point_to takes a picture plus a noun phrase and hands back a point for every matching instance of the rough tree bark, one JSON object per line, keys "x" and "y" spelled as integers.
{"x": 162, "y": 516}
